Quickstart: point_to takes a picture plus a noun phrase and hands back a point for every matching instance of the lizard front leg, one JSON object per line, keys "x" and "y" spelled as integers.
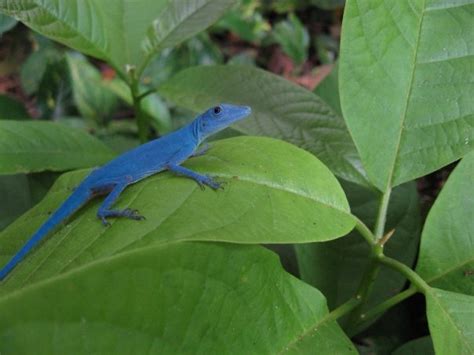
{"x": 200, "y": 179}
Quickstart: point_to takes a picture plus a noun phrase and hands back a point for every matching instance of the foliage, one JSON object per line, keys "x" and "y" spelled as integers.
{"x": 303, "y": 170}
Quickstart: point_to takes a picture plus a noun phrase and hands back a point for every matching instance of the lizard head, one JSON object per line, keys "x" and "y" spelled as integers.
{"x": 219, "y": 117}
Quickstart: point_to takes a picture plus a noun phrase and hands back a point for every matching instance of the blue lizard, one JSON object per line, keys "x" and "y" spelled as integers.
{"x": 165, "y": 153}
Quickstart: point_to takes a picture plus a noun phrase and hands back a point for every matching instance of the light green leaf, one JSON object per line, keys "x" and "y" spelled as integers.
{"x": 422, "y": 345}
{"x": 92, "y": 99}
{"x": 274, "y": 193}
{"x": 38, "y": 146}
{"x": 118, "y": 31}
{"x": 181, "y": 20}
{"x": 280, "y": 109}
{"x": 293, "y": 38}
{"x": 336, "y": 267}
{"x": 406, "y": 74}
{"x": 11, "y": 109}
{"x": 450, "y": 318}
{"x": 202, "y": 298}
{"x": 447, "y": 245}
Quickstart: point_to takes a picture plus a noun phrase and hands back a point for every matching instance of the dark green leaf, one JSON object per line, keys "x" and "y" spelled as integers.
{"x": 179, "y": 298}
{"x": 418, "y": 346}
{"x": 447, "y": 245}
{"x": 38, "y": 146}
{"x": 6, "y": 23}
{"x": 328, "y": 90}
{"x": 274, "y": 193}
{"x": 11, "y": 109}
{"x": 406, "y": 78}
{"x": 280, "y": 109}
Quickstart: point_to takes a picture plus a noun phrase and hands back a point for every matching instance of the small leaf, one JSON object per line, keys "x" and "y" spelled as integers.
{"x": 280, "y": 109}
{"x": 293, "y": 37}
{"x": 447, "y": 245}
{"x": 27, "y": 146}
{"x": 273, "y": 193}
{"x": 406, "y": 75}
{"x": 450, "y": 318}
{"x": 180, "y": 298}
{"x": 92, "y": 99}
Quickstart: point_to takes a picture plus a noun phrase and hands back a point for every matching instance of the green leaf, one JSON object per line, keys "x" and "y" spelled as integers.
{"x": 92, "y": 99}
{"x": 328, "y": 90}
{"x": 11, "y": 109}
{"x": 447, "y": 244}
{"x": 336, "y": 267}
{"x": 122, "y": 32}
{"x": 406, "y": 88}
{"x": 27, "y": 146}
{"x": 422, "y": 345}
{"x": 15, "y": 197}
{"x": 293, "y": 37}
{"x": 280, "y": 109}
{"x": 450, "y": 318}
{"x": 181, "y": 20}
{"x": 6, "y": 23}
{"x": 274, "y": 193}
{"x": 178, "y": 298}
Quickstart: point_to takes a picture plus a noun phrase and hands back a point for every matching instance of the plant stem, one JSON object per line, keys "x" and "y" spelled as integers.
{"x": 365, "y": 232}
{"x": 411, "y": 275}
{"x": 142, "y": 121}
{"x": 382, "y": 215}
{"x": 343, "y": 309}
{"x": 385, "y": 305}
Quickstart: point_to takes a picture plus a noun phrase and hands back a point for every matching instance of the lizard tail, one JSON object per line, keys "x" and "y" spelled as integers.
{"x": 79, "y": 197}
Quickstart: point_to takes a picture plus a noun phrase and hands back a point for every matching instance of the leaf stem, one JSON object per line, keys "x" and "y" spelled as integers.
{"x": 382, "y": 215}
{"x": 387, "y": 304}
{"x": 411, "y": 275}
{"x": 343, "y": 309}
{"x": 365, "y": 232}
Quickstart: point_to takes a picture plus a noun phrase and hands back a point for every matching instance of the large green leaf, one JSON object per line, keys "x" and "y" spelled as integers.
{"x": 200, "y": 298}
{"x": 11, "y": 109}
{"x": 447, "y": 245}
{"x": 38, "y": 146}
{"x": 450, "y": 318}
{"x": 406, "y": 74}
{"x": 422, "y": 345}
{"x": 280, "y": 109}
{"x": 118, "y": 31}
{"x": 274, "y": 193}
{"x": 337, "y": 267}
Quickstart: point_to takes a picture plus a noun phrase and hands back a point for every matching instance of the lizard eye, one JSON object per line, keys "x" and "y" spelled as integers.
{"x": 217, "y": 110}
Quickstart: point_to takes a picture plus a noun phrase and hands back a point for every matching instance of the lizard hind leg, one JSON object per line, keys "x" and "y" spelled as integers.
{"x": 105, "y": 210}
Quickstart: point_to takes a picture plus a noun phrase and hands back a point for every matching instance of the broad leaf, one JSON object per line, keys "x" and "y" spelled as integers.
{"x": 38, "y": 146}
{"x": 280, "y": 109}
{"x": 450, "y": 318}
{"x": 274, "y": 193}
{"x": 406, "y": 85}
{"x": 328, "y": 89}
{"x": 447, "y": 245}
{"x": 178, "y": 298}
{"x": 6, "y": 23}
{"x": 118, "y": 31}
{"x": 92, "y": 99}
{"x": 336, "y": 267}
